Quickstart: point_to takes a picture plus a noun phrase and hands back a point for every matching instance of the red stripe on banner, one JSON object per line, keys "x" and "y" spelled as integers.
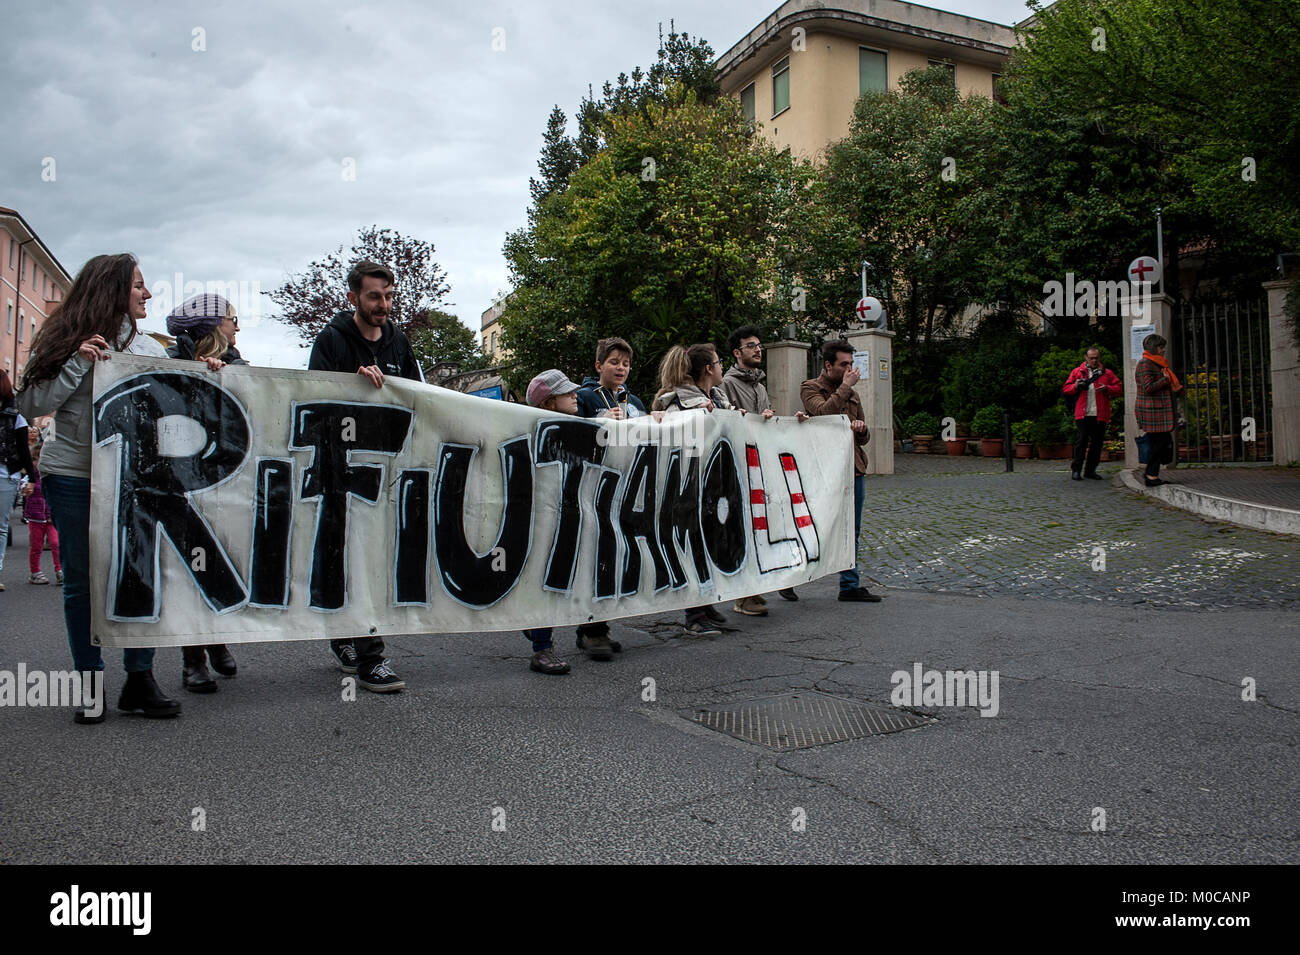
{"x": 787, "y": 462}
{"x": 757, "y": 497}
{"x": 796, "y": 498}
{"x": 803, "y": 520}
{"x": 760, "y": 523}
{"x": 751, "y": 455}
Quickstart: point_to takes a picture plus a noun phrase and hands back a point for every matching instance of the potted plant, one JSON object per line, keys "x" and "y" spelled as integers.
{"x": 922, "y": 426}
{"x": 1052, "y": 434}
{"x": 1022, "y": 432}
{"x": 987, "y": 425}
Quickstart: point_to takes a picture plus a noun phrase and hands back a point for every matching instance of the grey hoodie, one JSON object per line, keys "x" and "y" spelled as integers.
{"x": 745, "y": 389}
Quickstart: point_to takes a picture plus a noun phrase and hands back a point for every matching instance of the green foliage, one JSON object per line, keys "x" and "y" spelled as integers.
{"x": 437, "y": 336}
{"x": 997, "y": 371}
{"x": 921, "y": 423}
{"x": 1212, "y": 83}
{"x": 987, "y": 422}
{"x": 668, "y": 235}
{"x": 908, "y": 190}
{"x": 1022, "y": 432}
{"x": 1053, "y": 427}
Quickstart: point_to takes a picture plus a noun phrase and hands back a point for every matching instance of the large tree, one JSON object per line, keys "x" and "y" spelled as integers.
{"x": 438, "y": 336}
{"x": 663, "y": 224}
{"x": 308, "y": 300}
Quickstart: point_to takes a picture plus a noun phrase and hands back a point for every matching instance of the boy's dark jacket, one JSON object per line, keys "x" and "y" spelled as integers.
{"x": 593, "y": 399}
{"x": 340, "y": 347}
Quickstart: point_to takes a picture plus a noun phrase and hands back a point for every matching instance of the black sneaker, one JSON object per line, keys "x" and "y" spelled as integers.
{"x": 346, "y": 654}
{"x": 382, "y": 678}
{"x": 860, "y": 595}
{"x": 700, "y": 629}
{"x": 788, "y": 594}
{"x": 712, "y": 613}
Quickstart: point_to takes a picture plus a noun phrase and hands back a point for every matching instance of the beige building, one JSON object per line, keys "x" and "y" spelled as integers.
{"x": 490, "y": 332}
{"x": 32, "y": 282}
{"x": 799, "y": 72}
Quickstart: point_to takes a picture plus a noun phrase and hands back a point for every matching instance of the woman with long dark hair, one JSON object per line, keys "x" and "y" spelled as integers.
{"x": 97, "y": 317}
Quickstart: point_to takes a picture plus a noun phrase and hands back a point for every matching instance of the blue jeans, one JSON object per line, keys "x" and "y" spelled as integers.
{"x": 8, "y": 491}
{"x": 69, "y": 500}
{"x": 541, "y": 637}
{"x": 849, "y": 579}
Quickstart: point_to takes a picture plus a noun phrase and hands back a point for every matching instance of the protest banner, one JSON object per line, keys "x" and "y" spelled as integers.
{"x": 267, "y": 504}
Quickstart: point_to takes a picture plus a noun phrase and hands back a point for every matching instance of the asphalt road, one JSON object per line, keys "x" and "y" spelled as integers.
{"x": 1134, "y": 708}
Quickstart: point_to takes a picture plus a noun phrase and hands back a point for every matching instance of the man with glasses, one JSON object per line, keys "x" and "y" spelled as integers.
{"x": 744, "y": 388}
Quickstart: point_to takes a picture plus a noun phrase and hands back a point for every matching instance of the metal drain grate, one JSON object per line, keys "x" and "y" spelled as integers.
{"x": 800, "y": 720}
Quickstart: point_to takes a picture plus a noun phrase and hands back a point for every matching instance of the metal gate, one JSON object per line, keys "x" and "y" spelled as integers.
{"x": 1222, "y": 353}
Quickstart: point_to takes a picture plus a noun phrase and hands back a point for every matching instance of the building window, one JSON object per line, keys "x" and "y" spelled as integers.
{"x": 493, "y": 347}
{"x": 9, "y": 319}
{"x": 872, "y": 73}
{"x": 33, "y": 329}
{"x": 997, "y": 92}
{"x": 13, "y": 247}
{"x": 950, "y": 67}
{"x": 45, "y": 286}
{"x": 21, "y": 318}
{"x": 747, "y": 102}
{"x": 781, "y": 87}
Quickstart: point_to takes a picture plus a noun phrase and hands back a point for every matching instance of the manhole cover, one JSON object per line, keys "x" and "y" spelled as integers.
{"x": 799, "y": 720}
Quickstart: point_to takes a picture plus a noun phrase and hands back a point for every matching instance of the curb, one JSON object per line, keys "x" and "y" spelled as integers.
{"x": 1260, "y": 517}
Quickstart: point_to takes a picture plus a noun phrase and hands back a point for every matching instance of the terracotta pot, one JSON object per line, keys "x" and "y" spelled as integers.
{"x": 1222, "y": 446}
{"x": 1261, "y": 449}
{"x": 921, "y": 442}
{"x": 956, "y": 447}
{"x": 1055, "y": 452}
{"x": 1024, "y": 449}
{"x": 991, "y": 447}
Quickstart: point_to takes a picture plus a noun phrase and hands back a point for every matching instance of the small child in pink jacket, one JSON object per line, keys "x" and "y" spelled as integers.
{"x": 40, "y": 527}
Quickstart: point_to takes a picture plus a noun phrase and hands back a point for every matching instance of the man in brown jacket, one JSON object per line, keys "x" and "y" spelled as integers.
{"x": 832, "y": 394}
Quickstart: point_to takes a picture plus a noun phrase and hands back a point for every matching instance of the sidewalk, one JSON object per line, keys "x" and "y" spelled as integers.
{"x": 1263, "y": 498}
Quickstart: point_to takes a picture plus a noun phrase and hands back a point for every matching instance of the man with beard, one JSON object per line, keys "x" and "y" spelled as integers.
{"x": 832, "y": 394}
{"x": 366, "y": 342}
{"x": 744, "y": 388}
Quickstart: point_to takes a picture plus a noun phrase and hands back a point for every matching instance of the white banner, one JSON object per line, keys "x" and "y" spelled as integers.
{"x": 267, "y": 504}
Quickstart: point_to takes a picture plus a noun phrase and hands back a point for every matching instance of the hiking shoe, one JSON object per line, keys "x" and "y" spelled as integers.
{"x": 545, "y": 661}
{"x": 222, "y": 660}
{"x": 382, "y": 678}
{"x": 788, "y": 594}
{"x": 860, "y": 595}
{"x": 598, "y": 647}
{"x": 58, "y": 576}
{"x": 38, "y": 578}
{"x": 701, "y": 629}
{"x": 712, "y": 613}
{"x": 750, "y": 607}
{"x": 346, "y": 654}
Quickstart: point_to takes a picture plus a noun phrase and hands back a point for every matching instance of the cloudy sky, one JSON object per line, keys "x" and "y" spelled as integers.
{"x": 211, "y": 139}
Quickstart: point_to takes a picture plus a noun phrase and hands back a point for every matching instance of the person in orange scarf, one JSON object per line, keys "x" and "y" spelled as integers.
{"x": 1157, "y": 385}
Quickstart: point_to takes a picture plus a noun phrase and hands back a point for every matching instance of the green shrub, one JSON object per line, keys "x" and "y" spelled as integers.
{"x": 1022, "y": 432}
{"x": 987, "y": 422}
{"x": 1053, "y": 426}
{"x": 921, "y": 423}
{"x": 1054, "y": 367}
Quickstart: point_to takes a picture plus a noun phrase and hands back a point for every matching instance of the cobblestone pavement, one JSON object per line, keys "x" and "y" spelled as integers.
{"x": 962, "y": 525}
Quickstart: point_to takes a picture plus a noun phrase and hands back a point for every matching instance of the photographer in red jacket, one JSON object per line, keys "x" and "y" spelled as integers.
{"x": 1092, "y": 385}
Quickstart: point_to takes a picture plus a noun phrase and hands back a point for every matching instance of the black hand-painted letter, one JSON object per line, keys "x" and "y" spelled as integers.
{"x": 272, "y": 527}
{"x": 636, "y": 518}
{"x": 679, "y": 519}
{"x": 154, "y": 489}
{"x": 573, "y": 444}
{"x": 332, "y": 430}
{"x": 723, "y": 511}
{"x": 480, "y": 581}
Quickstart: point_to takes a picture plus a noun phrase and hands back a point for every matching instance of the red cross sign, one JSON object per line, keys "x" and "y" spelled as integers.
{"x": 1144, "y": 269}
{"x": 869, "y": 309}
